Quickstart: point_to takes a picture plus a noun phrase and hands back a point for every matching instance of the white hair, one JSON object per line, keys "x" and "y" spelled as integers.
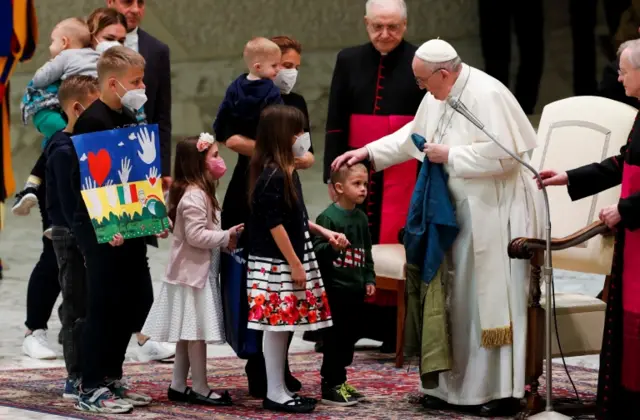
{"x": 634, "y": 52}
{"x": 399, "y": 5}
{"x": 451, "y": 66}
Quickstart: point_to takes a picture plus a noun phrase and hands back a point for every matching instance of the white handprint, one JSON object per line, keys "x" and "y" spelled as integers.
{"x": 89, "y": 184}
{"x": 125, "y": 170}
{"x": 152, "y": 177}
{"x": 112, "y": 195}
{"x": 148, "y": 145}
{"x": 94, "y": 205}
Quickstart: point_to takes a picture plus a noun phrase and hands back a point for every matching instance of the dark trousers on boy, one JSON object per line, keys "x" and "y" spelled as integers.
{"x": 72, "y": 277}
{"x": 339, "y": 340}
{"x": 119, "y": 293}
{"x": 43, "y": 287}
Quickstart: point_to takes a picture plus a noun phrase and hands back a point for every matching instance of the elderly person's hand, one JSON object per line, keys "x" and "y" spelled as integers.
{"x": 610, "y": 216}
{"x": 437, "y": 153}
{"x": 350, "y": 158}
{"x": 551, "y": 177}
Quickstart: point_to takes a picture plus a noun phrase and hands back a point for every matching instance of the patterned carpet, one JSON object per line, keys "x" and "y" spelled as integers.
{"x": 392, "y": 392}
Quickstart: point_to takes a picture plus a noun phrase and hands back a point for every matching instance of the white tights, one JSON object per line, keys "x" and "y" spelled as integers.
{"x": 191, "y": 354}
{"x": 274, "y": 348}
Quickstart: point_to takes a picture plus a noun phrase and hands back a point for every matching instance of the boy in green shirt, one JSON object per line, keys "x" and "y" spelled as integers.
{"x": 348, "y": 277}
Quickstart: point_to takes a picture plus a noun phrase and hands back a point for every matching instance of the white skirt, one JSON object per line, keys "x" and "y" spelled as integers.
{"x": 277, "y": 304}
{"x": 187, "y": 313}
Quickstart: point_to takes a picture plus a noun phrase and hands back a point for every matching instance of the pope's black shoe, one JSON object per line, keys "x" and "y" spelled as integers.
{"x": 500, "y": 408}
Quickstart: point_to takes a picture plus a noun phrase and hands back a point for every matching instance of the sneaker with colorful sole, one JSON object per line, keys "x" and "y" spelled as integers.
{"x": 121, "y": 389}
{"x": 102, "y": 401}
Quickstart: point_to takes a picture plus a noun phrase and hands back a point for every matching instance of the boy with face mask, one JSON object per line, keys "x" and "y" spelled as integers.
{"x": 76, "y": 94}
{"x": 122, "y": 92}
{"x": 118, "y": 277}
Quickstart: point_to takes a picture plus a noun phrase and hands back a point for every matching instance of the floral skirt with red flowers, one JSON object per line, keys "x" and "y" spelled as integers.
{"x": 277, "y": 304}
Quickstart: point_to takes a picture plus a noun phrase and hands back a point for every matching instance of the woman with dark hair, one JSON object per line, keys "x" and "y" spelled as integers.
{"x": 234, "y": 213}
{"x": 286, "y": 80}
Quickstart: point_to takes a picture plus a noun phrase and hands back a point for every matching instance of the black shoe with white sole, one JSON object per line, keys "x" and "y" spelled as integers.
{"x": 25, "y": 199}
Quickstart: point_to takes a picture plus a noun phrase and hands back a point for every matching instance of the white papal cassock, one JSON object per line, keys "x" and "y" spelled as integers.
{"x": 496, "y": 200}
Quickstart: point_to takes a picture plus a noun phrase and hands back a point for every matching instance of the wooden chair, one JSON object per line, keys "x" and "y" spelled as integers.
{"x": 572, "y": 132}
{"x": 389, "y": 264}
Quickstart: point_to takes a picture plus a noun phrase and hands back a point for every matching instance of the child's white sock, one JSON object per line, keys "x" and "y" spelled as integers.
{"x": 275, "y": 348}
{"x": 180, "y": 367}
{"x": 198, "y": 361}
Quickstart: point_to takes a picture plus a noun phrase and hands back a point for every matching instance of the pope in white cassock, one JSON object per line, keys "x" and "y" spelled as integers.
{"x": 495, "y": 201}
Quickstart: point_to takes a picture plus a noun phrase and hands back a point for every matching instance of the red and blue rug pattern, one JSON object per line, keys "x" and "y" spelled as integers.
{"x": 392, "y": 392}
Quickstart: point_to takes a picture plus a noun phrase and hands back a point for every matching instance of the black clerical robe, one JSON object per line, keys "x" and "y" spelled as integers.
{"x": 619, "y": 377}
{"x": 373, "y": 95}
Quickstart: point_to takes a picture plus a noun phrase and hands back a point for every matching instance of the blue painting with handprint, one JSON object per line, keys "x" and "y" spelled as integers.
{"x": 121, "y": 181}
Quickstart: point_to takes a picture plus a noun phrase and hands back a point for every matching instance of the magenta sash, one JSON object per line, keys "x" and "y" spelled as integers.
{"x": 631, "y": 290}
{"x": 398, "y": 180}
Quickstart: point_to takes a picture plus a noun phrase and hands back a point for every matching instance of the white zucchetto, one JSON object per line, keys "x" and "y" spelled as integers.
{"x": 436, "y": 51}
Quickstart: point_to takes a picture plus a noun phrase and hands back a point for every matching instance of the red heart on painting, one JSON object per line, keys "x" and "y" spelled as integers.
{"x": 152, "y": 181}
{"x": 99, "y": 165}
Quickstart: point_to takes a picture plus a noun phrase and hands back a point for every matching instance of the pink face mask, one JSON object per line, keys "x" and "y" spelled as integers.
{"x": 216, "y": 167}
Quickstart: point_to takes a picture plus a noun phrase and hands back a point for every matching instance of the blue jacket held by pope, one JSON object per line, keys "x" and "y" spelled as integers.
{"x": 431, "y": 227}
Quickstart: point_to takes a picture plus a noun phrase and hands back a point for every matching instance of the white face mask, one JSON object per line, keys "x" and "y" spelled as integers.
{"x": 133, "y": 99}
{"x": 105, "y": 45}
{"x": 302, "y": 145}
{"x": 286, "y": 80}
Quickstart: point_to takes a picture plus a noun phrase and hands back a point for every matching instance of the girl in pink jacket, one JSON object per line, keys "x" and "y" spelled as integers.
{"x": 188, "y": 310}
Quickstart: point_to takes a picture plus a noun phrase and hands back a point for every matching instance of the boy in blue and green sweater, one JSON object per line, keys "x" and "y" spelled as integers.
{"x": 348, "y": 277}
